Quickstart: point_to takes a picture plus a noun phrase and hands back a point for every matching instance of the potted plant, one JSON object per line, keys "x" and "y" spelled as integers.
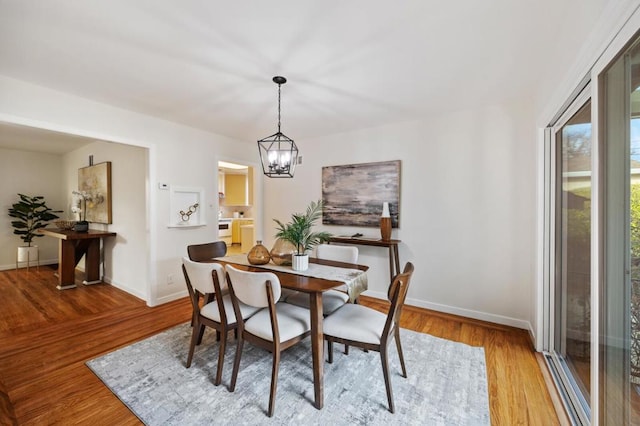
{"x": 30, "y": 214}
{"x": 299, "y": 233}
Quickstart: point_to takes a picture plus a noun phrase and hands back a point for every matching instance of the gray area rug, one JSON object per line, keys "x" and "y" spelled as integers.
{"x": 446, "y": 384}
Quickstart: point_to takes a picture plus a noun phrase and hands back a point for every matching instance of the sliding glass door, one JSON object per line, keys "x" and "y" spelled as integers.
{"x": 570, "y": 337}
{"x": 619, "y": 322}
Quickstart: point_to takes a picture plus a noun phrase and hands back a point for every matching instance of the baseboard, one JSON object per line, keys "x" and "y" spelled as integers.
{"x": 482, "y": 316}
{"x": 24, "y": 266}
{"x": 168, "y": 298}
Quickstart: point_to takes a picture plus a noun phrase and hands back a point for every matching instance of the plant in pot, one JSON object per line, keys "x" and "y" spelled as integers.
{"x": 30, "y": 214}
{"x": 299, "y": 233}
{"x": 80, "y": 207}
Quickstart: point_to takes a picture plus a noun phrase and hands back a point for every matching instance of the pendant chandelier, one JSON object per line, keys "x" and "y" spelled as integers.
{"x": 278, "y": 153}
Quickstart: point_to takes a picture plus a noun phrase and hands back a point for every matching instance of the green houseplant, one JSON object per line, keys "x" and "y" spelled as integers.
{"x": 299, "y": 233}
{"x": 30, "y": 214}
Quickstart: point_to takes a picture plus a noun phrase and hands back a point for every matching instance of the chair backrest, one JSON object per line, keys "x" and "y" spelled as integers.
{"x": 207, "y": 251}
{"x": 200, "y": 275}
{"x": 251, "y": 287}
{"x": 397, "y": 294}
{"x": 347, "y": 254}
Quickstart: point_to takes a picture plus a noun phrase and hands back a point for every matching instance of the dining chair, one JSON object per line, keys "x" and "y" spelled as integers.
{"x": 204, "y": 279}
{"x": 335, "y": 298}
{"x": 276, "y": 327}
{"x": 202, "y": 253}
{"x": 206, "y": 251}
{"x": 360, "y": 326}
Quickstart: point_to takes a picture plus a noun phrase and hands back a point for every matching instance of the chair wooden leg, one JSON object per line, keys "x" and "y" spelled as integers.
{"x": 217, "y": 336}
{"x": 192, "y": 344}
{"x": 200, "y": 333}
{"x": 236, "y": 365}
{"x": 399, "y": 346}
{"x": 330, "y": 351}
{"x": 274, "y": 381}
{"x": 223, "y": 344}
{"x": 387, "y": 380}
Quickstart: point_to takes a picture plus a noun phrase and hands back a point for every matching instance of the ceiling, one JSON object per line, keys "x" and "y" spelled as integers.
{"x": 349, "y": 64}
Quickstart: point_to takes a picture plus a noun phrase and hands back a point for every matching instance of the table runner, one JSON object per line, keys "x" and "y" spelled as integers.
{"x": 355, "y": 280}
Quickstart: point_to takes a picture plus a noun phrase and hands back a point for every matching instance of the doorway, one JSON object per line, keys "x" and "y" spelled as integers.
{"x": 237, "y": 214}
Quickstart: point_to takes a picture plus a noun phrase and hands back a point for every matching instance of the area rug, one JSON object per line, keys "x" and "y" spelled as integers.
{"x": 446, "y": 384}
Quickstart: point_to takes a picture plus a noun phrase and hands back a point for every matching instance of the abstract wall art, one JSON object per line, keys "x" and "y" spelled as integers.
{"x": 353, "y": 194}
{"x": 94, "y": 184}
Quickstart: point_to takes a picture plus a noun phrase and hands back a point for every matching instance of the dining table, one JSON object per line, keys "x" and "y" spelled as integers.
{"x": 322, "y": 275}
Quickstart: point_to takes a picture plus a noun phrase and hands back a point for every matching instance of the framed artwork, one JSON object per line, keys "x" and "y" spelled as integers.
{"x": 94, "y": 183}
{"x": 353, "y": 194}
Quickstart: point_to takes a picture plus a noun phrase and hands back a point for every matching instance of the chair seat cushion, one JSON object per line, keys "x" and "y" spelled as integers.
{"x": 211, "y": 311}
{"x": 292, "y": 321}
{"x": 331, "y": 300}
{"x": 355, "y": 322}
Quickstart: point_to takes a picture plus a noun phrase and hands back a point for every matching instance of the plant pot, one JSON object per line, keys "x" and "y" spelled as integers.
{"x": 27, "y": 254}
{"x": 300, "y": 262}
{"x": 81, "y": 226}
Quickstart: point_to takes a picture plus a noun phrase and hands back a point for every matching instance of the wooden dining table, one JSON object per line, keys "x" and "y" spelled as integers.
{"x": 314, "y": 284}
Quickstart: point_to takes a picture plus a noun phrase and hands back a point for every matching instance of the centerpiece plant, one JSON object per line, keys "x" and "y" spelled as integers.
{"x": 299, "y": 232}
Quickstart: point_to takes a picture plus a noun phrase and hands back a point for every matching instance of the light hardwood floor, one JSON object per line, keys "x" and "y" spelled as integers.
{"x": 47, "y": 335}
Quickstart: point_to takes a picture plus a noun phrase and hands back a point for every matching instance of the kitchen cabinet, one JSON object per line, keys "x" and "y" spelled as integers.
{"x": 236, "y": 236}
{"x": 246, "y": 236}
{"x": 238, "y": 188}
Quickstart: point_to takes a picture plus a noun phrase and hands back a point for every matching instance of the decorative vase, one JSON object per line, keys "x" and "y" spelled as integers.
{"x": 258, "y": 255}
{"x": 300, "y": 262}
{"x": 81, "y": 226}
{"x": 282, "y": 251}
{"x": 385, "y": 223}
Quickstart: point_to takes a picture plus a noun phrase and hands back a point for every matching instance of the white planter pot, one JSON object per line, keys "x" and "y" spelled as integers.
{"x": 27, "y": 254}
{"x": 300, "y": 262}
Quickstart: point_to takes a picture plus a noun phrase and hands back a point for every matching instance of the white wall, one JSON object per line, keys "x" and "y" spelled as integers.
{"x": 29, "y": 173}
{"x": 129, "y": 210}
{"x": 467, "y": 213}
{"x": 177, "y": 155}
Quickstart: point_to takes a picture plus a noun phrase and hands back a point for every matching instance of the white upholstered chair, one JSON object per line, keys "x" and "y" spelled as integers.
{"x": 331, "y": 299}
{"x": 276, "y": 327}
{"x": 203, "y": 253}
{"x": 204, "y": 280}
{"x": 357, "y": 325}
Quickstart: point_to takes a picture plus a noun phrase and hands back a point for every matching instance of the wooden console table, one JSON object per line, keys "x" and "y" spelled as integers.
{"x": 392, "y": 245}
{"x": 72, "y": 246}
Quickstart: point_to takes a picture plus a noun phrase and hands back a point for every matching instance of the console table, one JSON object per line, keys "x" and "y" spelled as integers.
{"x": 392, "y": 245}
{"x": 72, "y": 246}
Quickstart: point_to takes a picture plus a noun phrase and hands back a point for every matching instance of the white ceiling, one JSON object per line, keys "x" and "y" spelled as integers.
{"x": 350, "y": 64}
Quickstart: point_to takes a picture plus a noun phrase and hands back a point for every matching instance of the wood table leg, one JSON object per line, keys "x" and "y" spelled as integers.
{"x": 317, "y": 348}
{"x": 392, "y": 273}
{"x": 66, "y": 265}
{"x": 396, "y": 258}
{"x": 92, "y": 263}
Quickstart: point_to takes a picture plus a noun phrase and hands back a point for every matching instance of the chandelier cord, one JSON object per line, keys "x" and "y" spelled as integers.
{"x": 278, "y": 108}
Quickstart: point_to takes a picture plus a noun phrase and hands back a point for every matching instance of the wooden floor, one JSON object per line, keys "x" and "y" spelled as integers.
{"x": 46, "y": 336}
